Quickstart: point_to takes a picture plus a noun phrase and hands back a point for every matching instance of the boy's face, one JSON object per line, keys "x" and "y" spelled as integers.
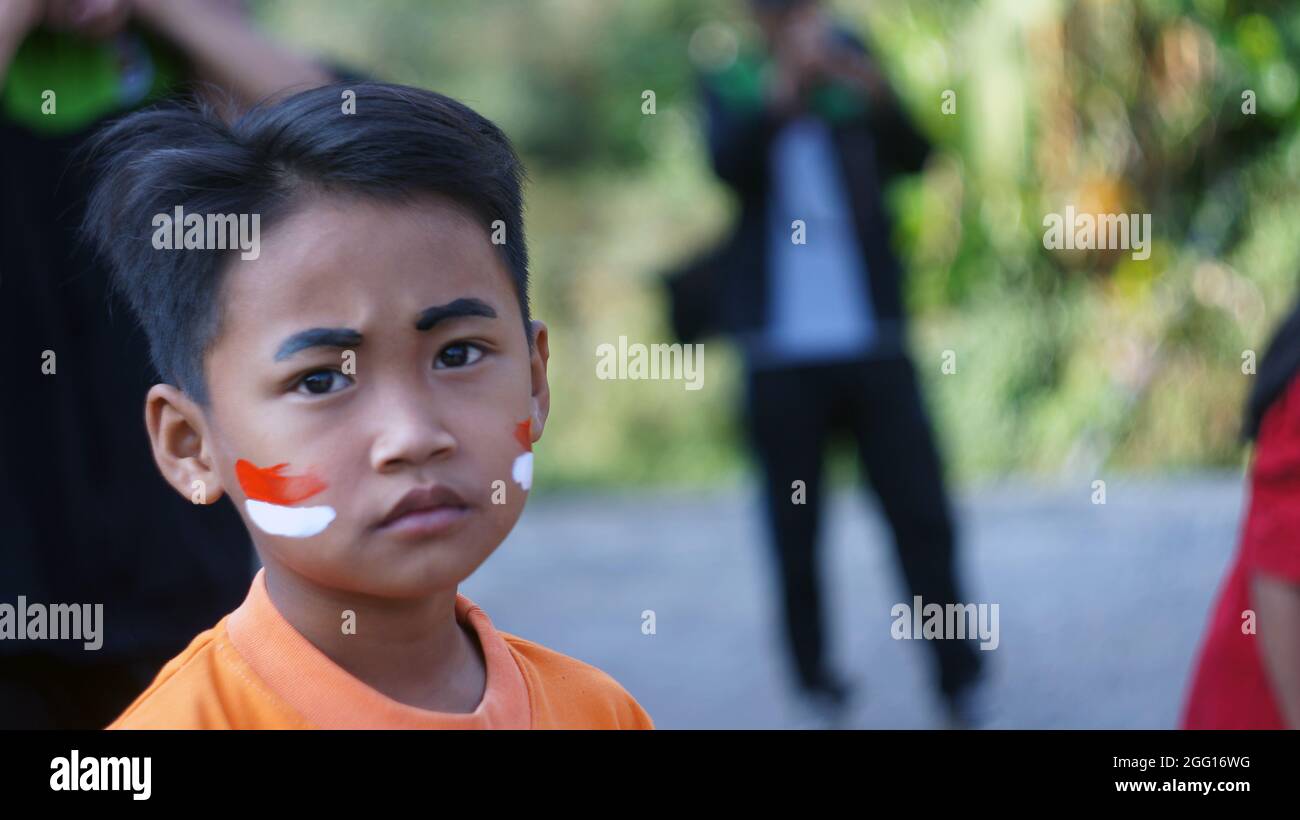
{"x": 365, "y": 406}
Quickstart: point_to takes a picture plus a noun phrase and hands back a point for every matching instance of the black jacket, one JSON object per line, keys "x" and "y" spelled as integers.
{"x": 726, "y": 290}
{"x": 85, "y": 516}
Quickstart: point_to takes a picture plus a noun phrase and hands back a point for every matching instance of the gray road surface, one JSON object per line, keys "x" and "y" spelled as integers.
{"x": 1101, "y": 607}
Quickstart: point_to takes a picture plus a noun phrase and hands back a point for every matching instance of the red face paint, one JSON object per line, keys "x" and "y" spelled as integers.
{"x": 266, "y": 483}
{"x": 524, "y": 434}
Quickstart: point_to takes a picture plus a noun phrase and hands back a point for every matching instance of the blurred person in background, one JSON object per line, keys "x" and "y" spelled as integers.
{"x": 86, "y": 517}
{"x": 1247, "y": 675}
{"x": 807, "y": 132}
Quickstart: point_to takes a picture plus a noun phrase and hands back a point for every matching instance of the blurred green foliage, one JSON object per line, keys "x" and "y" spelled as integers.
{"x": 1066, "y": 360}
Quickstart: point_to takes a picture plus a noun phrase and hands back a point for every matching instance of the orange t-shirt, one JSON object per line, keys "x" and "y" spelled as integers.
{"x": 253, "y": 670}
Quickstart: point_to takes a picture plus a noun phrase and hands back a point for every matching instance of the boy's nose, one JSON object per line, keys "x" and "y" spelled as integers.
{"x": 410, "y": 434}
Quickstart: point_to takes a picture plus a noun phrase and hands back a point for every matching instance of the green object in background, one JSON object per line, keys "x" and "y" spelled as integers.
{"x": 836, "y": 102}
{"x": 740, "y": 86}
{"x": 90, "y": 80}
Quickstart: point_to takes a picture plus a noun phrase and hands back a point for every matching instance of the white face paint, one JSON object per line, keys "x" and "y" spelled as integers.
{"x": 291, "y": 522}
{"x": 523, "y": 470}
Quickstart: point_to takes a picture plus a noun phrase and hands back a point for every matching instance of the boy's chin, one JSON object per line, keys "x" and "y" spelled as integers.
{"x": 420, "y": 574}
{"x": 385, "y": 585}
{"x": 381, "y": 576}
{"x": 404, "y": 567}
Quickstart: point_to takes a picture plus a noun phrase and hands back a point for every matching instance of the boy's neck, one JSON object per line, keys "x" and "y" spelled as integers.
{"x": 413, "y": 651}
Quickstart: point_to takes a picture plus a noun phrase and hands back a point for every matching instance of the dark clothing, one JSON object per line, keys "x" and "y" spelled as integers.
{"x": 792, "y": 410}
{"x": 871, "y": 149}
{"x": 45, "y": 692}
{"x": 791, "y": 414}
{"x": 85, "y": 516}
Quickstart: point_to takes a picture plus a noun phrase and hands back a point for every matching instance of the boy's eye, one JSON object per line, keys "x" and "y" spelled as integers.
{"x": 323, "y": 381}
{"x": 458, "y": 355}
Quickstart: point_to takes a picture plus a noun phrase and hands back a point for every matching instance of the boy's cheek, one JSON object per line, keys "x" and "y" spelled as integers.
{"x": 285, "y": 500}
{"x": 512, "y": 461}
{"x": 309, "y": 501}
{"x": 503, "y": 473}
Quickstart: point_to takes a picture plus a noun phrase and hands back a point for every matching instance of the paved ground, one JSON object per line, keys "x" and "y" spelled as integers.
{"x": 1101, "y": 606}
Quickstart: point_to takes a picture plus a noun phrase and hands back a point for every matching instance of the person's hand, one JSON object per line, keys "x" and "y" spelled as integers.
{"x": 18, "y": 18}
{"x": 802, "y": 43}
{"x": 794, "y": 55}
{"x": 857, "y": 69}
{"x": 95, "y": 19}
{"x": 783, "y": 89}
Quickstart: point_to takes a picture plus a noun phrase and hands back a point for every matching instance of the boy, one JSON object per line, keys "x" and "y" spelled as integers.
{"x": 67, "y": 67}
{"x": 365, "y": 383}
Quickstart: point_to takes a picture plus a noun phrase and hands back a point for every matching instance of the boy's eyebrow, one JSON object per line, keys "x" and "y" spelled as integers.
{"x": 318, "y": 337}
{"x": 465, "y": 306}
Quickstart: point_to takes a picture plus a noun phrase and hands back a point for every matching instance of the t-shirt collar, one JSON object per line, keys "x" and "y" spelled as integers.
{"x": 332, "y": 698}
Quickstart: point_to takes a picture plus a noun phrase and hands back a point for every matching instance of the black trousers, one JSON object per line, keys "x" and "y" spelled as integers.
{"x": 791, "y": 413}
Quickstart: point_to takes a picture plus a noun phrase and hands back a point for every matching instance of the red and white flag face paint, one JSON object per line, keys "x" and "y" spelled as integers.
{"x": 270, "y": 496}
{"x": 522, "y": 472}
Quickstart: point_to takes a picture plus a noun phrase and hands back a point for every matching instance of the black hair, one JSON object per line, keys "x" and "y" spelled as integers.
{"x": 400, "y": 143}
{"x": 1277, "y": 368}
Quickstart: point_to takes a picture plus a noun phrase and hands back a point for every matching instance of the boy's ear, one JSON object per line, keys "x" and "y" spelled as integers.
{"x": 541, "y": 400}
{"x": 181, "y": 449}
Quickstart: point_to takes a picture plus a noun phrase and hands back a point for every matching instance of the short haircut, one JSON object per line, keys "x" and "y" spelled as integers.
{"x": 401, "y": 143}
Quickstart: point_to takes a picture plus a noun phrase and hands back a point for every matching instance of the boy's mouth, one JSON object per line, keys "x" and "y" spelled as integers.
{"x": 425, "y": 510}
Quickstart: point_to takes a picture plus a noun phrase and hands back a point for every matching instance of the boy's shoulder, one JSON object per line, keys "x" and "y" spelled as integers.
{"x": 565, "y": 692}
{"x": 210, "y": 685}
{"x": 207, "y": 686}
